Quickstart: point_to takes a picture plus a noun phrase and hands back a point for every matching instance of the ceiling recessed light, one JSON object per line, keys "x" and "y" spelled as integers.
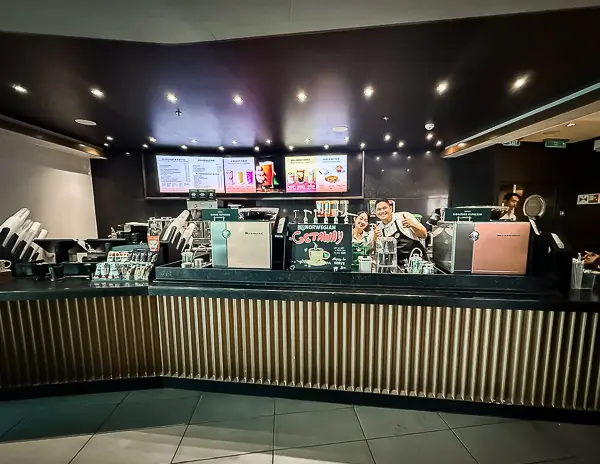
{"x": 408, "y": 157}
{"x": 400, "y": 144}
{"x": 127, "y": 153}
{"x": 144, "y": 146}
{"x": 194, "y": 141}
{"x": 184, "y": 147}
{"x": 363, "y": 145}
{"x": 326, "y": 147}
{"x": 340, "y": 129}
{"x": 268, "y": 141}
{"x": 571, "y": 124}
{"x": 238, "y": 100}
{"x": 106, "y": 144}
{"x": 428, "y": 152}
{"x": 291, "y": 147}
{"x": 438, "y": 143}
{"x": 519, "y": 83}
{"x": 152, "y": 139}
{"x": 97, "y": 93}
{"x": 85, "y": 122}
{"x": 109, "y": 138}
{"x": 408, "y": 170}
{"x": 385, "y": 118}
{"x": 441, "y": 87}
{"x": 429, "y": 136}
{"x": 301, "y": 95}
{"x": 234, "y": 142}
{"x": 377, "y": 158}
{"x": 221, "y": 148}
{"x": 395, "y": 153}
{"x": 307, "y": 140}
{"x": 387, "y": 137}
{"x": 429, "y": 126}
{"x": 171, "y": 97}
{"x": 368, "y": 91}
{"x": 346, "y": 139}
{"x": 382, "y": 170}
{"x": 19, "y": 88}
{"x": 256, "y": 148}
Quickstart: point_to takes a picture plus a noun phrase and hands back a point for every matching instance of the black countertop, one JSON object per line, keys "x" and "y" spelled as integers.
{"x": 74, "y": 287}
{"x": 493, "y": 291}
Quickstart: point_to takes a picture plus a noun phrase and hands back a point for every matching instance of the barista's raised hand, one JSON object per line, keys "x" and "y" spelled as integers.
{"x": 376, "y": 234}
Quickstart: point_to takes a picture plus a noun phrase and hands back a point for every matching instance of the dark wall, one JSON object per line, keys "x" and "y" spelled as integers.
{"x": 419, "y": 185}
{"x": 556, "y": 174}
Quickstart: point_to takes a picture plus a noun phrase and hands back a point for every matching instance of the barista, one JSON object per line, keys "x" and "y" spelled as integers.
{"x": 361, "y": 246}
{"x": 511, "y": 201}
{"x": 404, "y": 227}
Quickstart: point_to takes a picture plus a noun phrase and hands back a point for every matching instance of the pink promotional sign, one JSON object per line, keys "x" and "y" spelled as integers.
{"x": 300, "y": 174}
{"x": 239, "y": 175}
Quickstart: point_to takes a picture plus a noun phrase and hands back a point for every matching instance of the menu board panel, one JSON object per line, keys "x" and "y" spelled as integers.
{"x": 326, "y": 247}
{"x": 300, "y": 174}
{"x": 320, "y": 174}
{"x": 332, "y": 173}
{"x": 239, "y": 175}
{"x": 179, "y": 174}
{"x": 269, "y": 172}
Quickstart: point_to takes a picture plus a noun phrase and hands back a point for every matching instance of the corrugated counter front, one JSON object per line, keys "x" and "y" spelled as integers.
{"x": 477, "y": 338}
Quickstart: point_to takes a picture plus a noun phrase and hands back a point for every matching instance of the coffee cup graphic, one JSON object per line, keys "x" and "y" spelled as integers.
{"x": 317, "y": 256}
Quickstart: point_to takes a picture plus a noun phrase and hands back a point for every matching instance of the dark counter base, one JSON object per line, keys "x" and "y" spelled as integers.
{"x": 308, "y": 394}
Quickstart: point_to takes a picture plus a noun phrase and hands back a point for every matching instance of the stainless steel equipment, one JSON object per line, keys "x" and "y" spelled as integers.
{"x": 482, "y": 247}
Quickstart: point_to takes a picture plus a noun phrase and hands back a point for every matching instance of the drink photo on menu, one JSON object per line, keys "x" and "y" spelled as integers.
{"x": 300, "y": 174}
{"x": 239, "y": 175}
{"x": 268, "y": 171}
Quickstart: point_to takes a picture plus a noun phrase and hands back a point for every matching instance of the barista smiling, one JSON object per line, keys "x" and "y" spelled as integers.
{"x": 403, "y": 226}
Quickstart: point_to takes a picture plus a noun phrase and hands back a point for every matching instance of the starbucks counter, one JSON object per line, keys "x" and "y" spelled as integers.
{"x": 486, "y": 339}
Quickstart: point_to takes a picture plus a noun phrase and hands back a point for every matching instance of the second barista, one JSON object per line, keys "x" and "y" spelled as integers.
{"x": 403, "y": 226}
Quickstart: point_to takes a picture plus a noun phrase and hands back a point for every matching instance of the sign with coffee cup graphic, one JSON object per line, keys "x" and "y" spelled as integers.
{"x": 321, "y": 247}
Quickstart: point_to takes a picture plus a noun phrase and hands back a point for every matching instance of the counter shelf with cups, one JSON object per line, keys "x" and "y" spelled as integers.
{"x": 132, "y": 263}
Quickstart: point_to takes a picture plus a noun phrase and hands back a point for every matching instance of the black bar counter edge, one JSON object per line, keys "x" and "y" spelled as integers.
{"x": 493, "y": 293}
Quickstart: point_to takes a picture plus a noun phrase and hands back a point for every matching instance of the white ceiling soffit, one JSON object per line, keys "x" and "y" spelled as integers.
{"x": 185, "y": 21}
{"x": 524, "y": 132}
{"x": 9, "y": 137}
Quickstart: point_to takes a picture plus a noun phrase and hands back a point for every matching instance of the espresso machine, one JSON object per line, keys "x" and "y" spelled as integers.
{"x": 245, "y": 243}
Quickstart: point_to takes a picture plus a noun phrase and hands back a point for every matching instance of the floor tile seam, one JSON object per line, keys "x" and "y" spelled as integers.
{"x": 287, "y": 448}
{"x": 229, "y": 420}
{"x": 313, "y": 410}
{"x": 99, "y": 428}
{"x": 11, "y": 427}
{"x": 221, "y": 457}
{"x": 459, "y": 440}
{"x": 550, "y": 461}
{"x": 512, "y": 421}
{"x": 187, "y": 426}
{"x": 364, "y": 435}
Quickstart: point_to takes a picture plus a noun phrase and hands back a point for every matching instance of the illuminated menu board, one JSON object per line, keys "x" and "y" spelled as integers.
{"x": 239, "y": 175}
{"x": 179, "y": 174}
{"x": 317, "y": 174}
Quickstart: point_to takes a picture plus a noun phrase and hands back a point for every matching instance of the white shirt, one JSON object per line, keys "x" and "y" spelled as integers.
{"x": 509, "y": 216}
{"x": 389, "y": 229}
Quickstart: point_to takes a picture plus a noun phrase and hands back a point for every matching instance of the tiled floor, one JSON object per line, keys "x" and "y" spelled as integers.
{"x": 174, "y": 426}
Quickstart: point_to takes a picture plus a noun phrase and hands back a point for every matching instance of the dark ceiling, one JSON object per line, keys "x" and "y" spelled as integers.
{"x": 480, "y": 58}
